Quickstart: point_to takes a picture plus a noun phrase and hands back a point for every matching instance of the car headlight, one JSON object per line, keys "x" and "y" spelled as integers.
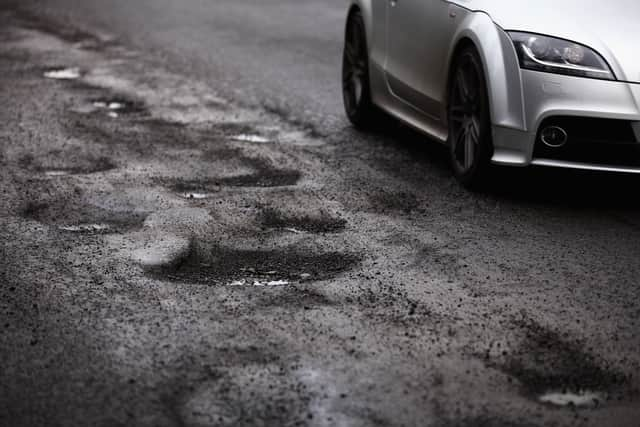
{"x": 552, "y": 55}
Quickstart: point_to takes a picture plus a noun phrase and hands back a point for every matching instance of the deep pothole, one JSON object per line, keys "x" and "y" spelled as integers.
{"x": 193, "y": 189}
{"x": 274, "y": 219}
{"x": 215, "y": 264}
{"x": 116, "y": 106}
{"x": 77, "y": 217}
{"x": 142, "y": 135}
{"x": 62, "y": 164}
{"x": 555, "y": 371}
{"x": 263, "y": 175}
{"x": 264, "y": 172}
{"x": 145, "y": 134}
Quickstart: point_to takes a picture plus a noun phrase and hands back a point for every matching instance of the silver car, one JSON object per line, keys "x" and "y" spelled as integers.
{"x": 550, "y": 82}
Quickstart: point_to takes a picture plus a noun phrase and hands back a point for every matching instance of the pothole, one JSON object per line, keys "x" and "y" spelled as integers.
{"x": 555, "y": 371}
{"x": 263, "y": 177}
{"x": 61, "y": 164}
{"x": 73, "y": 216}
{"x": 194, "y": 189}
{"x": 272, "y": 218}
{"x": 219, "y": 265}
{"x": 110, "y": 105}
{"x": 142, "y": 135}
{"x": 265, "y": 173}
{"x": 117, "y": 106}
{"x": 233, "y": 128}
{"x": 193, "y": 195}
{"x": 63, "y": 73}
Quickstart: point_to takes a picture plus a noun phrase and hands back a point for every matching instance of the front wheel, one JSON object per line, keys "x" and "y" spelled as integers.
{"x": 356, "y": 92}
{"x": 470, "y": 144}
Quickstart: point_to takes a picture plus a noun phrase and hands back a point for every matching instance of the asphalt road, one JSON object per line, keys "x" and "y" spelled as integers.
{"x": 281, "y": 55}
{"x": 191, "y": 234}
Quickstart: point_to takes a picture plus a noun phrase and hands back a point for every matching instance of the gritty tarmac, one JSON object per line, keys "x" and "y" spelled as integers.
{"x": 174, "y": 255}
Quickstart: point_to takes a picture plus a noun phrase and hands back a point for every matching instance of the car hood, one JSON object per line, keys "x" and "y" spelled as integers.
{"x": 610, "y": 27}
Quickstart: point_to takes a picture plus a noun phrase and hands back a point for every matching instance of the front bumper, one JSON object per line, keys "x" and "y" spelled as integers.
{"x": 546, "y": 96}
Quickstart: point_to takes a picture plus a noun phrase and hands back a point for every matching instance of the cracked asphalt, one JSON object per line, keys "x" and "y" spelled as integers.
{"x": 191, "y": 234}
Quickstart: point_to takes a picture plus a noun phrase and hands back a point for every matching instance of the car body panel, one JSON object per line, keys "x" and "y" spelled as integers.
{"x": 420, "y": 83}
{"x": 609, "y": 27}
{"x": 546, "y": 95}
{"x": 409, "y": 80}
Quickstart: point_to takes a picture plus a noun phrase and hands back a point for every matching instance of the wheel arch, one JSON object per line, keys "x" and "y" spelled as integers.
{"x": 501, "y": 67}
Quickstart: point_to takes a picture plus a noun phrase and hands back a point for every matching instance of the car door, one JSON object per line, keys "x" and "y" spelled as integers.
{"x": 418, "y": 39}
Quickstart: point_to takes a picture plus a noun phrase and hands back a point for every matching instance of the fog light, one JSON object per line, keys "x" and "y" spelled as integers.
{"x": 554, "y": 136}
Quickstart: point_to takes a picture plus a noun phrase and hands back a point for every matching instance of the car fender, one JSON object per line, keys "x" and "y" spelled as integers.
{"x": 501, "y": 67}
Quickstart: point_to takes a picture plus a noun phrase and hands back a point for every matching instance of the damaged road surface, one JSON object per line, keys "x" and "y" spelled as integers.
{"x": 192, "y": 235}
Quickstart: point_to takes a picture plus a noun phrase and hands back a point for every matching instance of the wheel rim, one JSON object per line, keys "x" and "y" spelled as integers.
{"x": 465, "y": 115}
{"x": 354, "y": 67}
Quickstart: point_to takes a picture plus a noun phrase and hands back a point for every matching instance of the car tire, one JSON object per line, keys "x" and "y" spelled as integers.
{"x": 356, "y": 87}
{"x": 468, "y": 115}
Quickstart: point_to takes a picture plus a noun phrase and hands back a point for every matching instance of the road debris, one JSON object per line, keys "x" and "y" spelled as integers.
{"x": 258, "y": 283}
{"x": 250, "y": 138}
{"x": 85, "y": 228}
{"x": 63, "y": 73}
{"x": 580, "y": 399}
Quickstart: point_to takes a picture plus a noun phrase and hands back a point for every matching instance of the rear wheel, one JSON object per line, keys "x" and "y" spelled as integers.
{"x": 469, "y": 120}
{"x": 356, "y": 91}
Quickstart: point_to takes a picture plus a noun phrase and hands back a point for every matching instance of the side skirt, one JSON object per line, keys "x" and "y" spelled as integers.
{"x": 383, "y": 98}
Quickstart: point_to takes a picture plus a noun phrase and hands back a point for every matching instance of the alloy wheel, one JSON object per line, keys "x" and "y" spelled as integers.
{"x": 355, "y": 67}
{"x": 465, "y": 115}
